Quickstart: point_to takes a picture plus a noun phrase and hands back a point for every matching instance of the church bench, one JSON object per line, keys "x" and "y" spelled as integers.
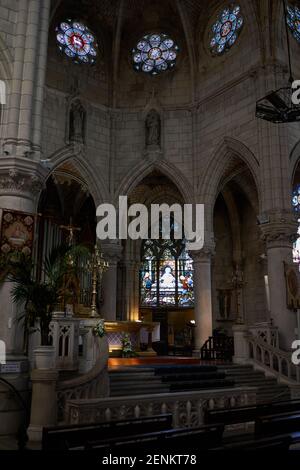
{"x": 277, "y": 423}
{"x": 72, "y": 436}
{"x": 249, "y": 413}
{"x": 278, "y": 442}
{"x": 202, "y": 438}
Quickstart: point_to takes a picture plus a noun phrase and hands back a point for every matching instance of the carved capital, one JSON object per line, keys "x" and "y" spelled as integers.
{"x": 19, "y": 176}
{"x": 203, "y": 256}
{"x": 279, "y": 232}
{"x": 112, "y": 252}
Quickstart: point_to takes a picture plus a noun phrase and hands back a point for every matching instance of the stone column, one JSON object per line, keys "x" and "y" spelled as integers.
{"x": 203, "y": 296}
{"x": 132, "y": 290}
{"x": 26, "y": 99}
{"x": 21, "y": 181}
{"x": 278, "y": 235}
{"x": 112, "y": 254}
{"x": 43, "y": 402}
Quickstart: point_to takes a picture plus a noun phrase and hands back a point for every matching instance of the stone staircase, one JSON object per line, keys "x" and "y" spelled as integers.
{"x": 268, "y": 389}
{"x": 130, "y": 381}
{"x": 135, "y": 381}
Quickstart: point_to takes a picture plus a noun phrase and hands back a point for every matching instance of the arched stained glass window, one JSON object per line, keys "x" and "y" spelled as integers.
{"x": 296, "y": 207}
{"x": 226, "y": 29}
{"x": 154, "y": 53}
{"x": 76, "y": 41}
{"x": 293, "y": 21}
{"x": 166, "y": 276}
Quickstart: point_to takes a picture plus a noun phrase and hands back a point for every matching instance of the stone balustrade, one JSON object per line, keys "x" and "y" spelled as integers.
{"x": 187, "y": 408}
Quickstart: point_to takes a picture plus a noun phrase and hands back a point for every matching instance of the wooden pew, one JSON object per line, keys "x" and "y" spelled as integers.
{"x": 279, "y": 442}
{"x": 73, "y": 436}
{"x": 249, "y": 413}
{"x": 202, "y": 438}
{"x": 280, "y": 423}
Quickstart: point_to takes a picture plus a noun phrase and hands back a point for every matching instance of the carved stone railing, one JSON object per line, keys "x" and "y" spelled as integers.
{"x": 273, "y": 360}
{"x": 187, "y": 408}
{"x": 64, "y": 334}
{"x": 266, "y": 333}
{"x": 252, "y": 348}
{"x": 92, "y": 384}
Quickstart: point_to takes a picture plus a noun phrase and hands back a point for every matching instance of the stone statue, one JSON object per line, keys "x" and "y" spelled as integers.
{"x": 77, "y": 122}
{"x": 153, "y": 129}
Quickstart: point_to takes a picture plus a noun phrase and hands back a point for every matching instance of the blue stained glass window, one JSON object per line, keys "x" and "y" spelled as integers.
{"x": 226, "y": 29}
{"x": 154, "y": 53}
{"x": 76, "y": 41}
{"x": 293, "y": 21}
{"x": 296, "y": 207}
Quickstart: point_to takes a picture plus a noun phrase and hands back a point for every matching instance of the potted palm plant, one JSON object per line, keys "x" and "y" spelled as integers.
{"x": 40, "y": 298}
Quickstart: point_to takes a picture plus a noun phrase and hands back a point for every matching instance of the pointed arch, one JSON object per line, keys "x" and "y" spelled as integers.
{"x": 216, "y": 167}
{"x": 221, "y": 164}
{"x": 133, "y": 178}
{"x": 95, "y": 182}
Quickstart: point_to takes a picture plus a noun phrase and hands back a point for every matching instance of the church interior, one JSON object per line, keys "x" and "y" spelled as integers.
{"x": 106, "y": 342}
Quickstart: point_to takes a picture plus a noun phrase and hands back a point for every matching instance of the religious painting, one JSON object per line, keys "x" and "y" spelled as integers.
{"x": 292, "y": 286}
{"x": 17, "y": 232}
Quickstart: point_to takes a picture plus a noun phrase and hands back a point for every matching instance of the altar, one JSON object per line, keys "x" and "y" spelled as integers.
{"x": 141, "y": 334}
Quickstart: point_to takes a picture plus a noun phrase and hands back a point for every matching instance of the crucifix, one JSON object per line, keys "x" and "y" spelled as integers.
{"x": 70, "y": 229}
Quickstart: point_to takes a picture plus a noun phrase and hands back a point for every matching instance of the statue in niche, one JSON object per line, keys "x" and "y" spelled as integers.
{"x": 77, "y": 122}
{"x": 224, "y": 298}
{"x": 153, "y": 129}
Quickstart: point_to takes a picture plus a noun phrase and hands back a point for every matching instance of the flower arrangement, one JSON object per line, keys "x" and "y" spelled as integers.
{"x": 127, "y": 348}
{"x": 99, "y": 329}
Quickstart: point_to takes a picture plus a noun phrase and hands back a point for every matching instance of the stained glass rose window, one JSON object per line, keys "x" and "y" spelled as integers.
{"x": 226, "y": 29}
{"x": 76, "y": 41}
{"x": 293, "y": 21}
{"x": 154, "y": 53}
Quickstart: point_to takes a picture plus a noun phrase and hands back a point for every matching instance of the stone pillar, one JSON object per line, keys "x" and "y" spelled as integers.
{"x": 26, "y": 99}
{"x": 21, "y": 181}
{"x": 112, "y": 254}
{"x": 278, "y": 235}
{"x": 43, "y": 402}
{"x": 241, "y": 350}
{"x": 203, "y": 296}
{"x": 132, "y": 290}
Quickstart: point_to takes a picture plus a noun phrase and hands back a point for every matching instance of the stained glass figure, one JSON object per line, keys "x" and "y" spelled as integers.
{"x": 226, "y": 29}
{"x": 154, "y": 53}
{"x": 296, "y": 207}
{"x": 166, "y": 276}
{"x": 77, "y": 42}
{"x": 293, "y": 21}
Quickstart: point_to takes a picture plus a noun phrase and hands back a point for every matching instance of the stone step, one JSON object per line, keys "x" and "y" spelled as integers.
{"x": 135, "y": 384}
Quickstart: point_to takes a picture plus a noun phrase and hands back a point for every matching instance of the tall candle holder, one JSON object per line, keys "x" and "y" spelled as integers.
{"x": 97, "y": 266}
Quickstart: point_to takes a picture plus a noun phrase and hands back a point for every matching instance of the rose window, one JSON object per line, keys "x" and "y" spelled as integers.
{"x": 76, "y": 41}
{"x": 226, "y": 30}
{"x": 154, "y": 53}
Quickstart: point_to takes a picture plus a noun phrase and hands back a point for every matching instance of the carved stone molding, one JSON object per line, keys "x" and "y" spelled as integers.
{"x": 203, "y": 256}
{"x": 112, "y": 252}
{"x": 22, "y": 177}
{"x": 279, "y": 235}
